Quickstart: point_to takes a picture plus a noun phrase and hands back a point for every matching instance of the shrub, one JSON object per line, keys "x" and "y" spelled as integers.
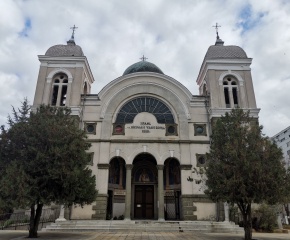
{"x": 25, "y": 220}
{"x": 121, "y": 217}
{"x": 265, "y": 218}
{"x": 8, "y": 222}
{"x": 115, "y": 218}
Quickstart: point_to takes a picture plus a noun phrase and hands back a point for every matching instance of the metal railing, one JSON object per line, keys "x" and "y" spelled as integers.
{"x": 9, "y": 221}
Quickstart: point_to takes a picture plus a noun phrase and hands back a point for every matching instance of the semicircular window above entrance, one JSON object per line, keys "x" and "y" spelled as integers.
{"x": 145, "y": 104}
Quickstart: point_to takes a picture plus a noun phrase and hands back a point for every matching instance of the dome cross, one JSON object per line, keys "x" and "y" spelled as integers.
{"x": 143, "y": 58}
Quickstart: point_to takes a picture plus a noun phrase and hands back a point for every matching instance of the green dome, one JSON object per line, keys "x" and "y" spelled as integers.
{"x": 142, "y": 66}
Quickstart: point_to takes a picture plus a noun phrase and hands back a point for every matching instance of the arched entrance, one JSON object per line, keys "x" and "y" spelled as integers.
{"x": 144, "y": 187}
{"x": 116, "y": 188}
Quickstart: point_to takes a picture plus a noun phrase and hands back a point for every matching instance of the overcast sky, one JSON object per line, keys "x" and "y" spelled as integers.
{"x": 174, "y": 35}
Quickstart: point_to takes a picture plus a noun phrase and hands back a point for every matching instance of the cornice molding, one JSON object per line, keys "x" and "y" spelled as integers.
{"x": 147, "y": 141}
{"x": 176, "y": 83}
{"x": 103, "y": 166}
{"x": 185, "y": 167}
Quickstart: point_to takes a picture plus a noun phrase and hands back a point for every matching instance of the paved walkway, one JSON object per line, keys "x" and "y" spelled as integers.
{"x": 9, "y": 235}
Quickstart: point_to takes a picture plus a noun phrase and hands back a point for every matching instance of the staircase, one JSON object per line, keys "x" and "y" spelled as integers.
{"x": 143, "y": 226}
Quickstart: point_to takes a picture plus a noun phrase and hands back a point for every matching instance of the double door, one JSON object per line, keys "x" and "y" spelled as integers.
{"x": 144, "y": 202}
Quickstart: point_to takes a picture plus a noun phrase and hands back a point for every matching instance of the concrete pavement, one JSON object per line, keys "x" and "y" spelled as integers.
{"x": 13, "y": 235}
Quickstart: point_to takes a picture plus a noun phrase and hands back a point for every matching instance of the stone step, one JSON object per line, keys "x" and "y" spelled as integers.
{"x": 141, "y": 226}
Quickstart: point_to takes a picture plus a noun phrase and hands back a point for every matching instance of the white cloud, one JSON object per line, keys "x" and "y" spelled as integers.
{"x": 174, "y": 35}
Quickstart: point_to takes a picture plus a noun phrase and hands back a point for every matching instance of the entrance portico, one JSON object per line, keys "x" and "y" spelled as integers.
{"x": 144, "y": 185}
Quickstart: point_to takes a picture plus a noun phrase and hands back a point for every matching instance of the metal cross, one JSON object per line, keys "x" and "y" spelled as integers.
{"x": 73, "y": 33}
{"x": 143, "y": 58}
{"x": 216, "y": 27}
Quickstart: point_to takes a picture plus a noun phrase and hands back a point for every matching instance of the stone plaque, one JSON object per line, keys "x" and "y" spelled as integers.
{"x": 145, "y": 125}
{"x": 120, "y": 192}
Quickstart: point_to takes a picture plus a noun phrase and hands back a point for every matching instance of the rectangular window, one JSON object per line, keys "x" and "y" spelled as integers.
{"x": 288, "y": 144}
{"x": 54, "y": 95}
{"x": 63, "y": 95}
{"x": 283, "y": 139}
{"x": 227, "y": 99}
{"x": 235, "y": 96}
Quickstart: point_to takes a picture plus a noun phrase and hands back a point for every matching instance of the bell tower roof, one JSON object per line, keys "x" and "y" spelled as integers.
{"x": 71, "y": 49}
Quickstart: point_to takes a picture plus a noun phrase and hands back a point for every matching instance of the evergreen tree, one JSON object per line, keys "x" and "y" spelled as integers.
{"x": 43, "y": 160}
{"x": 244, "y": 166}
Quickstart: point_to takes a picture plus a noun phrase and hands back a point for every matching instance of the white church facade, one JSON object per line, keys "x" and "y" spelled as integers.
{"x": 147, "y": 130}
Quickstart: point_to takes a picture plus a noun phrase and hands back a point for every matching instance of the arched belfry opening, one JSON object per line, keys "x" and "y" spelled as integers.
{"x": 144, "y": 187}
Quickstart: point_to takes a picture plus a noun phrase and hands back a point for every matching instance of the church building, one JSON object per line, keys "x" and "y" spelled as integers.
{"x": 146, "y": 128}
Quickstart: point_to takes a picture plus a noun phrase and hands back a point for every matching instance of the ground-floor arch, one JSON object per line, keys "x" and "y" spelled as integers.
{"x": 144, "y": 189}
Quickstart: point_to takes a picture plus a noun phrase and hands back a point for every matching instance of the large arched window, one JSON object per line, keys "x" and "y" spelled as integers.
{"x": 145, "y": 104}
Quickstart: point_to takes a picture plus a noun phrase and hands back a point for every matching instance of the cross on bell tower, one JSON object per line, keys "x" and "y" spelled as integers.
{"x": 218, "y": 42}
{"x": 217, "y": 32}
{"x": 73, "y": 33}
{"x": 72, "y": 39}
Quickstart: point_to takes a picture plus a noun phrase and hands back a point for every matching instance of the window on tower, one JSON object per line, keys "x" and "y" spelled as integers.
{"x": 227, "y": 99}
{"x": 59, "y": 87}
{"x": 231, "y": 91}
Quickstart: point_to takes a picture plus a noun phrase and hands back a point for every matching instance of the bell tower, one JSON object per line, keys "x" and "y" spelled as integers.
{"x": 225, "y": 75}
{"x": 64, "y": 75}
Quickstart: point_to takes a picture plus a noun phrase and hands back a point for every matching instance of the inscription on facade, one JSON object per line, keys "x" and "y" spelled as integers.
{"x": 146, "y": 127}
{"x": 120, "y": 192}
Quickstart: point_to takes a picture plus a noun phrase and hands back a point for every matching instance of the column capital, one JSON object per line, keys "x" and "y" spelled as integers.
{"x": 160, "y": 167}
{"x": 129, "y": 166}
{"x": 185, "y": 167}
{"x": 103, "y": 166}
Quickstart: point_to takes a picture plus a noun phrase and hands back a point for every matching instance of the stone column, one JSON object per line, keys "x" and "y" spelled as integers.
{"x": 68, "y": 93}
{"x": 128, "y": 192}
{"x": 167, "y": 176}
{"x": 61, "y": 214}
{"x": 160, "y": 193}
{"x": 59, "y": 94}
{"x": 47, "y": 91}
{"x": 121, "y": 173}
{"x": 232, "y": 104}
{"x": 226, "y": 208}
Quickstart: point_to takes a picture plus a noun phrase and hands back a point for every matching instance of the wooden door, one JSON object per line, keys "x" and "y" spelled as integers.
{"x": 144, "y": 202}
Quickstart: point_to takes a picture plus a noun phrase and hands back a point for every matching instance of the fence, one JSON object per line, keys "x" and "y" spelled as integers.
{"x": 20, "y": 220}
